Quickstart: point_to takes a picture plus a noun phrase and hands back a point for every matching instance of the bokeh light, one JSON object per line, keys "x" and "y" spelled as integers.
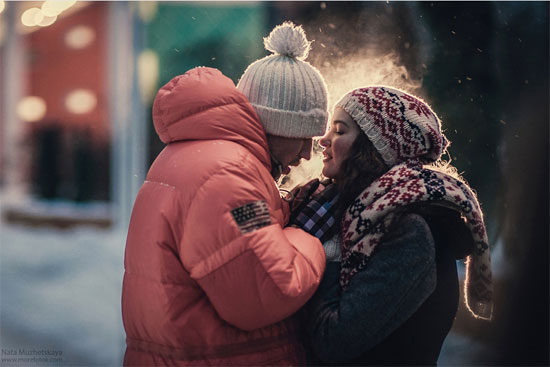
{"x": 54, "y": 8}
{"x": 32, "y": 17}
{"x": 47, "y": 20}
{"x": 31, "y": 108}
{"x": 50, "y": 9}
{"x": 81, "y": 101}
{"x": 148, "y": 74}
{"x": 147, "y": 10}
{"x": 79, "y": 37}
{"x": 2, "y": 5}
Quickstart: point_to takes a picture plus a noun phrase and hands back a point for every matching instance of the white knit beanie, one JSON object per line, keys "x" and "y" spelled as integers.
{"x": 289, "y": 95}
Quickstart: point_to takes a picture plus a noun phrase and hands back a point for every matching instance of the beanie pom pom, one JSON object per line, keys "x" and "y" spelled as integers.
{"x": 289, "y": 40}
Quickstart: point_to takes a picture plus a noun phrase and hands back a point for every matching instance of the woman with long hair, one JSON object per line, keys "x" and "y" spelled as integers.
{"x": 402, "y": 216}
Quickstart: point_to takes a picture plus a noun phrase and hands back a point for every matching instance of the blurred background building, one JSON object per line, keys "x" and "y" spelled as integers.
{"x": 77, "y": 83}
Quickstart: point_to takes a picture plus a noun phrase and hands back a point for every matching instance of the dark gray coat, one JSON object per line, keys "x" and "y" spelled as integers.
{"x": 399, "y": 309}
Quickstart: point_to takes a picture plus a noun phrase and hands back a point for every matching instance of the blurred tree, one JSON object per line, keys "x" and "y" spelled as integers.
{"x": 223, "y": 36}
{"x": 520, "y": 331}
{"x": 462, "y": 82}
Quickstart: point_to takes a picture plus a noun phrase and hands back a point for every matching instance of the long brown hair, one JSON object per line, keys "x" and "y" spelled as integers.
{"x": 362, "y": 166}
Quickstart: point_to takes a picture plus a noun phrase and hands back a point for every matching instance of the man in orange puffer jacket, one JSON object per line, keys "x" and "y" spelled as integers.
{"x": 212, "y": 277}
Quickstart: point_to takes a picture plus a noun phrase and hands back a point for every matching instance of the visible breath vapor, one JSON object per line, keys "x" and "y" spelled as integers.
{"x": 341, "y": 76}
{"x": 362, "y": 70}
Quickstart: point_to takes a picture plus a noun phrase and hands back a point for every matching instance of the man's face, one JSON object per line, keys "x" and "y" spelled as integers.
{"x": 289, "y": 151}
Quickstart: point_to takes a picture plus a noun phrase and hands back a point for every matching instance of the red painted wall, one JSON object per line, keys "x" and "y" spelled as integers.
{"x": 56, "y": 69}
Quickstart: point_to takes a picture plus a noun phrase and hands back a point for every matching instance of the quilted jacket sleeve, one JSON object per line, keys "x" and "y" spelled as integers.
{"x": 253, "y": 271}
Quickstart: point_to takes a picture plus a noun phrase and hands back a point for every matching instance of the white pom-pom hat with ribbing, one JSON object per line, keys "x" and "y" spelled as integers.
{"x": 288, "y": 94}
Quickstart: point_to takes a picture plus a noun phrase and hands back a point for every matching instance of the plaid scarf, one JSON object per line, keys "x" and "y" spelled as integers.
{"x": 367, "y": 219}
{"x": 316, "y": 216}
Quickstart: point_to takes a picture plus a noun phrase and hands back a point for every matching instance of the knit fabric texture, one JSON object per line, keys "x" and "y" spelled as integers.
{"x": 399, "y": 125}
{"x": 368, "y": 218}
{"x": 333, "y": 248}
{"x": 289, "y": 95}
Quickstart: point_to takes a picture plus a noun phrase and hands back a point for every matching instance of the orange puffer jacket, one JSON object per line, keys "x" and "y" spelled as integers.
{"x": 211, "y": 276}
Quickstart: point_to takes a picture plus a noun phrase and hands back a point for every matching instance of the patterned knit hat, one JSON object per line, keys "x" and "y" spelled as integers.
{"x": 289, "y": 95}
{"x": 399, "y": 125}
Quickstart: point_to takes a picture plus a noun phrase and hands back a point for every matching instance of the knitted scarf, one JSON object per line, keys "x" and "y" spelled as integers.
{"x": 367, "y": 219}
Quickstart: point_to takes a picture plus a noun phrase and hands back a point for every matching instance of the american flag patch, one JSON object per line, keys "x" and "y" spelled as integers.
{"x": 251, "y": 216}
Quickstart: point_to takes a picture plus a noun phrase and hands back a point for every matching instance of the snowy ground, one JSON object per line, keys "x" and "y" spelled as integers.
{"x": 60, "y": 291}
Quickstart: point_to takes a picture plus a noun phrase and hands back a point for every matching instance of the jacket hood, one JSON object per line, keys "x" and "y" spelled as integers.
{"x": 203, "y": 104}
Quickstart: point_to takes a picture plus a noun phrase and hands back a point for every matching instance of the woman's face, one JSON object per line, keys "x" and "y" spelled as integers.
{"x": 337, "y": 142}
